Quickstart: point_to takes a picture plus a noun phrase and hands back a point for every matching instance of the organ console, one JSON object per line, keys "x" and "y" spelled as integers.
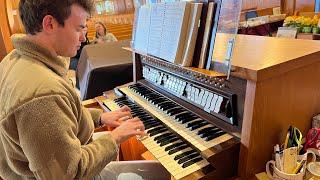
{"x": 201, "y": 125}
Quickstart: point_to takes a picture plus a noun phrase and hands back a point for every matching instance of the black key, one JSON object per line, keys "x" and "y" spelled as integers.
{"x": 172, "y": 151}
{"x": 209, "y": 133}
{"x": 145, "y": 115}
{"x": 198, "y": 126}
{"x": 156, "y": 129}
{"x": 169, "y": 141}
{"x": 166, "y": 138}
{"x": 188, "y": 119}
{"x": 161, "y": 136}
{"x": 184, "y": 154}
{"x": 168, "y": 148}
{"x": 175, "y": 111}
{"x": 208, "y": 138}
{"x": 186, "y": 114}
{"x": 149, "y": 126}
{"x": 157, "y": 101}
{"x": 157, "y": 132}
{"x": 206, "y": 129}
{"x": 189, "y": 157}
{"x": 167, "y": 106}
{"x": 151, "y": 122}
{"x": 189, "y": 163}
{"x": 194, "y": 123}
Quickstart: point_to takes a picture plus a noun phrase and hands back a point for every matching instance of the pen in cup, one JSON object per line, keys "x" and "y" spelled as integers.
{"x": 278, "y": 158}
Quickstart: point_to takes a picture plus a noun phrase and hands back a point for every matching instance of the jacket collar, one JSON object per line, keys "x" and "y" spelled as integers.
{"x": 26, "y": 47}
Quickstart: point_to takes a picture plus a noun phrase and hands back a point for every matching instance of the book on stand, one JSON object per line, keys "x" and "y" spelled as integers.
{"x": 168, "y": 31}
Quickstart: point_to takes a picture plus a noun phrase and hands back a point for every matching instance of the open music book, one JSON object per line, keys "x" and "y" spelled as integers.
{"x": 168, "y": 31}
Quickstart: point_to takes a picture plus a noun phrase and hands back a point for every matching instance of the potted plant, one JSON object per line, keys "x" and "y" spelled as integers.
{"x": 314, "y": 24}
{"x": 306, "y": 24}
{"x": 294, "y": 22}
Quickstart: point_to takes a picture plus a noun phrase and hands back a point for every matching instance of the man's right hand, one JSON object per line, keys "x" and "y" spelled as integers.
{"x": 127, "y": 129}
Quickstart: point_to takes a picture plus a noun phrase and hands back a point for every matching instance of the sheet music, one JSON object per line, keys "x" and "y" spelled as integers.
{"x": 156, "y": 25}
{"x": 173, "y": 30}
{"x": 142, "y": 29}
{"x": 168, "y": 31}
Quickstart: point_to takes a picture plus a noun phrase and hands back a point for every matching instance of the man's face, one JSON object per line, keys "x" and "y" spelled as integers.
{"x": 68, "y": 38}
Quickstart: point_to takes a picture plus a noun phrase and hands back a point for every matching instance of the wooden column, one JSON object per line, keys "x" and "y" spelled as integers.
{"x": 5, "y": 42}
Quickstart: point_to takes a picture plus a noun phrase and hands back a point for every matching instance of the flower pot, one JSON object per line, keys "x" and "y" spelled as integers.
{"x": 315, "y": 30}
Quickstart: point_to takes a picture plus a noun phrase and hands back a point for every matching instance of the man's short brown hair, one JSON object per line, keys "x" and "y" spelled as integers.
{"x": 32, "y": 12}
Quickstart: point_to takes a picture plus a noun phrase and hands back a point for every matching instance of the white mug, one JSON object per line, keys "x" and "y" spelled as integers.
{"x": 305, "y": 156}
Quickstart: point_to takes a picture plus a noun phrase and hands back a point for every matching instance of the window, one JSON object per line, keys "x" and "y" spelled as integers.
{"x": 105, "y": 7}
{"x": 317, "y": 6}
{"x": 109, "y": 6}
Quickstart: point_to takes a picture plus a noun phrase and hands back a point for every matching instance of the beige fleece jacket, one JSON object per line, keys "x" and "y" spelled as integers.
{"x": 45, "y": 131}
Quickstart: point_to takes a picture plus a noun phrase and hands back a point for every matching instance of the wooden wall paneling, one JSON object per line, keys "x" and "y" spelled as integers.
{"x": 305, "y": 5}
{"x": 116, "y": 7}
{"x": 288, "y": 99}
{"x": 288, "y": 6}
{"x": 129, "y": 6}
{"x": 6, "y": 45}
{"x": 120, "y": 6}
{"x": 263, "y": 4}
{"x": 249, "y": 4}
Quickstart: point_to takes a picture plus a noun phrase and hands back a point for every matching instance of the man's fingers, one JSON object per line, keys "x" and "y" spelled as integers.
{"x": 124, "y": 114}
{"x": 125, "y": 108}
{"x": 135, "y": 119}
{"x": 114, "y": 124}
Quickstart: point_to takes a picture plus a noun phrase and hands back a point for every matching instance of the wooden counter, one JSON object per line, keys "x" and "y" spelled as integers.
{"x": 259, "y": 57}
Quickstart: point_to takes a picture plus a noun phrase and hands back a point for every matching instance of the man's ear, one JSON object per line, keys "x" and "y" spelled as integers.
{"x": 49, "y": 24}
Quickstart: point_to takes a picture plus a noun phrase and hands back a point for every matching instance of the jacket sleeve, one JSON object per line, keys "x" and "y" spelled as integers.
{"x": 47, "y": 128}
{"x": 95, "y": 114}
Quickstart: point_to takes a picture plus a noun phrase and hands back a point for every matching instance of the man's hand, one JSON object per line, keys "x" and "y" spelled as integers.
{"x": 124, "y": 109}
{"x": 127, "y": 129}
{"x": 114, "y": 118}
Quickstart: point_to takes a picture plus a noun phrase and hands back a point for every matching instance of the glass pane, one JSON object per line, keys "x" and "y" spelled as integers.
{"x": 223, "y": 41}
{"x": 109, "y": 7}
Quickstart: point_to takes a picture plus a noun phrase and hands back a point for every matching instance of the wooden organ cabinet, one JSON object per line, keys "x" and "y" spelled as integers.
{"x": 201, "y": 125}
{"x": 274, "y": 83}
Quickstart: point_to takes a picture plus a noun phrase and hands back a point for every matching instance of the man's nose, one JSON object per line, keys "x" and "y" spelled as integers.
{"x": 82, "y": 37}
